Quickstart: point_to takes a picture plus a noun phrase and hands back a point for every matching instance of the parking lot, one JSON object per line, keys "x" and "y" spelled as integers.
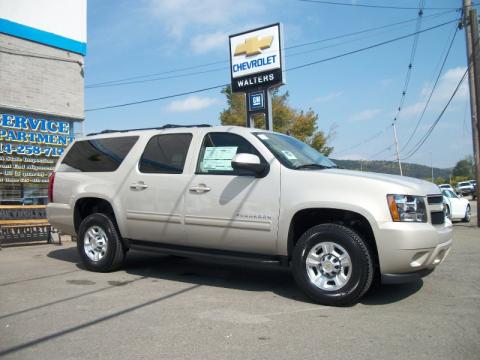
{"x": 162, "y": 307}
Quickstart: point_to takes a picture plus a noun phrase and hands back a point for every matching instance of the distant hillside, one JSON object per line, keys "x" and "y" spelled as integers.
{"x": 390, "y": 167}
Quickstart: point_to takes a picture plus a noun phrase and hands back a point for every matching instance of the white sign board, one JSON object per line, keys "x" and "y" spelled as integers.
{"x": 256, "y": 58}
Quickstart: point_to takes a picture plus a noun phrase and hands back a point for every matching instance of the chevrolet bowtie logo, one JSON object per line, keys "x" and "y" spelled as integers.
{"x": 253, "y": 46}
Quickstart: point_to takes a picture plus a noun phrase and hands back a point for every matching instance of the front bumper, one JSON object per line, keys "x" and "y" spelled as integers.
{"x": 411, "y": 251}
{"x": 404, "y": 278}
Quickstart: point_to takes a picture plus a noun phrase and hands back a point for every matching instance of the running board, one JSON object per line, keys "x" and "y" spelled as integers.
{"x": 213, "y": 254}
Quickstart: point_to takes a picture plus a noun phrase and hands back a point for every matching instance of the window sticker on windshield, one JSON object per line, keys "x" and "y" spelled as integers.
{"x": 218, "y": 158}
{"x": 263, "y": 137}
{"x": 289, "y": 155}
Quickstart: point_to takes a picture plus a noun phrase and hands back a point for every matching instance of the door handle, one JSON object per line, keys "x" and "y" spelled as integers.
{"x": 138, "y": 186}
{"x": 200, "y": 188}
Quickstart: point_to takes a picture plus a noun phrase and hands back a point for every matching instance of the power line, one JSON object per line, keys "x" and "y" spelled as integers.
{"x": 432, "y": 91}
{"x": 432, "y": 127}
{"x": 380, "y": 152}
{"x": 288, "y": 55}
{"x": 290, "y": 69}
{"x": 408, "y": 76}
{"x": 371, "y": 46}
{"x": 372, "y": 6}
{"x": 158, "y": 73}
{"x": 155, "y": 79}
{"x": 157, "y": 99}
{"x": 127, "y": 79}
{"x": 338, "y": 44}
{"x": 363, "y": 142}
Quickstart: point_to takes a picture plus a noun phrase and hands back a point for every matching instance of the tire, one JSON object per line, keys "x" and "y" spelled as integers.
{"x": 99, "y": 244}
{"x": 327, "y": 244}
{"x": 468, "y": 214}
{"x": 447, "y": 212}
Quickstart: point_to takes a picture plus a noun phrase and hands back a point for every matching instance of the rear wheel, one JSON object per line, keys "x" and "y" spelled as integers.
{"x": 468, "y": 214}
{"x": 99, "y": 243}
{"x": 332, "y": 265}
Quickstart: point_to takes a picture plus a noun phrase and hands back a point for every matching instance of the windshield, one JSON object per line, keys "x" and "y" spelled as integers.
{"x": 449, "y": 194}
{"x": 293, "y": 153}
{"x": 464, "y": 184}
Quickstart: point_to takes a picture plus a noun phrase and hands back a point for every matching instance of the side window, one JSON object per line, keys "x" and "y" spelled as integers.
{"x": 97, "y": 155}
{"x": 218, "y": 150}
{"x": 165, "y": 154}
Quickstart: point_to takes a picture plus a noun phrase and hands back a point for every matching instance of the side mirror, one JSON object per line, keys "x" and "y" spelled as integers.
{"x": 249, "y": 162}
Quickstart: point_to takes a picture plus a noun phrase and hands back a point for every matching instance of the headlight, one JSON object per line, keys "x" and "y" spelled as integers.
{"x": 407, "y": 208}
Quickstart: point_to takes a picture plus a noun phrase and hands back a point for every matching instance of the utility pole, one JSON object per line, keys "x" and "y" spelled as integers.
{"x": 396, "y": 145}
{"x": 470, "y": 22}
{"x": 431, "y": 163}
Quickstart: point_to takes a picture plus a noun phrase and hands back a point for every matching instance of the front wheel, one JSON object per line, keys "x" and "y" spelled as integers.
{"x": 99, "y": 243}
{"x": 332, "y": 264}
{"x": 447, "y": 212}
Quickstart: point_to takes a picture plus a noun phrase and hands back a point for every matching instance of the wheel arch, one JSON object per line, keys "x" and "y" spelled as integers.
{"x": 304, "y": 219}
{"x": 86, "y": 206}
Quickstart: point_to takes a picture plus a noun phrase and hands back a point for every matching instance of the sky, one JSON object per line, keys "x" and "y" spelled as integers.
{"x": 356, "y": 97}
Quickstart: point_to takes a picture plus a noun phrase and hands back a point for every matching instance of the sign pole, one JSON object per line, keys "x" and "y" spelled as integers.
{"x": 269, "y": 115}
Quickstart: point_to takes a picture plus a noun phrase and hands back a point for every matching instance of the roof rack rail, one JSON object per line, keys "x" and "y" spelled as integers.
{"x": 167, "y": 126}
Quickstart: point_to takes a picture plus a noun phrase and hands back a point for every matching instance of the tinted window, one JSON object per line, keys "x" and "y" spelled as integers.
{"x": 293, "y": 153}
{"x": 218, "y": 150}
{"x": 165, "y": 154}
{"x": 98, "y": 155}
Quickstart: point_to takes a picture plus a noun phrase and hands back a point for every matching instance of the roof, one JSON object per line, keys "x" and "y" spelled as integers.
{"x": 153, "y": 130}
{"x": 167, "y": 126}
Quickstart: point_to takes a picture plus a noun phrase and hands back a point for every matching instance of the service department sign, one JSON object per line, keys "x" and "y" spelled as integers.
{"x": 256, "y": 58}
{"x": 30, "y": 147}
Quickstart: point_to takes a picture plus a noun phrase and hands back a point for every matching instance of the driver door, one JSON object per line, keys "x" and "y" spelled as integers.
{"x": 231, "y": 209}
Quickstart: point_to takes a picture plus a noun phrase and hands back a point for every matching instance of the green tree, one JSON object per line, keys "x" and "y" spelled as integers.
{"x": 298, "y": 123}
{"x": 439, "y": 180}
{"x": 463, "y": 168}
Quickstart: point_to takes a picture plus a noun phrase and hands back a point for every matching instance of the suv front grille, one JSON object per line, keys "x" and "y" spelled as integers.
{"x": 437, "y": 214}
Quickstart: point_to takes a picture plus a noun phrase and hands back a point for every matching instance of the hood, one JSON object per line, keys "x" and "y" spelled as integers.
{"x": 415, "y": 186}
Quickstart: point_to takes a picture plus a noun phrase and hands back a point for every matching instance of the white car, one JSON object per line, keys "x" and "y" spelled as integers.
{"x": 446, "y": 187}
{"x": 456, "y": 208}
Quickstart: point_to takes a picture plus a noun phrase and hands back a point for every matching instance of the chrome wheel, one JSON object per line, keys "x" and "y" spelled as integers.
{"x": 95, "y": 243}
{"x": 329, "y": 266}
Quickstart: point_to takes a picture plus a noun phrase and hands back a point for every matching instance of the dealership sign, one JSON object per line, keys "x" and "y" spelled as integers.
{"x": 30, "y": 147}
{"x": 256, "y": 59}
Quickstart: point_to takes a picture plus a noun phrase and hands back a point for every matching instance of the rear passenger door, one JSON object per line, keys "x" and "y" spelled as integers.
{"x": 156, "y": 188}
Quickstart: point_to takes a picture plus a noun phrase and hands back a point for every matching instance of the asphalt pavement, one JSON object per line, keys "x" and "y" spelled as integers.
{"x": 164, "y": 307}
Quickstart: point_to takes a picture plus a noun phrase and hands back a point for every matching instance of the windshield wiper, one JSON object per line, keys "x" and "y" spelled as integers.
{"x": 312, "y": 166}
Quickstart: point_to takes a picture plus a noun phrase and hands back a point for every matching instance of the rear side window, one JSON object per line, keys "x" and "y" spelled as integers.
{"x": 97, "y": 155}
{"x": 165, "y": 154}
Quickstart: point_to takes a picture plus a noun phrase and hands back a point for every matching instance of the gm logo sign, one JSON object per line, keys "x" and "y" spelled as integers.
{"x": 256, "y": 58}
{"x": 256, "y": 101}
